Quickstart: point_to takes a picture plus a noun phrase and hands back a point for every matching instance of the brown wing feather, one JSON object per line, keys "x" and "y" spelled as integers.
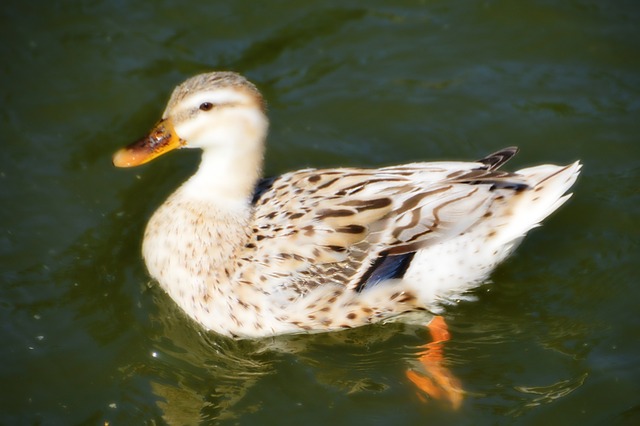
{"x": 328, "y": 226}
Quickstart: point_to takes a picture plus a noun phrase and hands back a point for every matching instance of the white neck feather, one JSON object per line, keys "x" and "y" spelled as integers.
{"x": 229, "y": 171}
{"x": 225, "y": 180}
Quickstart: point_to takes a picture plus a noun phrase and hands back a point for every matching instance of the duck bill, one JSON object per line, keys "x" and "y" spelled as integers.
{"x": 160, "y": 140}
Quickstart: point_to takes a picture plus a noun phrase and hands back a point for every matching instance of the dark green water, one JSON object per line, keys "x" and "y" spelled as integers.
{"x": 87, "y": 339}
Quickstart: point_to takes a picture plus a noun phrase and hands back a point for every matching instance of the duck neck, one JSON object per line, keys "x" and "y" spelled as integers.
{"x": 226, "y": 177}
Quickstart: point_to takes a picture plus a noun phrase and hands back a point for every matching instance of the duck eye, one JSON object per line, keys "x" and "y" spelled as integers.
{"x": 206, "y": 106}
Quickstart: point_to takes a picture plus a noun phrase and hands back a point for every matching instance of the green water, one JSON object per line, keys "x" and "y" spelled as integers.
{"x": 88, "y": 339}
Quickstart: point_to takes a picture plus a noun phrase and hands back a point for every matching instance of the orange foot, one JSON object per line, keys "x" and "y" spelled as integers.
{"x": 439, "y": 383}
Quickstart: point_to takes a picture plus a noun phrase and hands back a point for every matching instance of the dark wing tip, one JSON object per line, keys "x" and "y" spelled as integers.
{"x": 497, "y": 159}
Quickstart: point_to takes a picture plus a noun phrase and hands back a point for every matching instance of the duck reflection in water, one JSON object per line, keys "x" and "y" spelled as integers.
{"x": 201, "y": 376}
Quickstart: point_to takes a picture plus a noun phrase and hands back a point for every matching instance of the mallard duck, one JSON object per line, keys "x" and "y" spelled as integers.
{"x": 322, "y": 249}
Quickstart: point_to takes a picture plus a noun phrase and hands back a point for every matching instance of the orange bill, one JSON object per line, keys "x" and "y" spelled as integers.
{"x": 160, "y": 140}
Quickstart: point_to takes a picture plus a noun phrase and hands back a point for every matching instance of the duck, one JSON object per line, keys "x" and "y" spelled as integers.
{"x": 320, "y": 250}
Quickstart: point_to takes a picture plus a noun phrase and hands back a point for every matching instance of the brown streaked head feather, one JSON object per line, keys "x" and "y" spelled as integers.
{"x": 213, "y": 80}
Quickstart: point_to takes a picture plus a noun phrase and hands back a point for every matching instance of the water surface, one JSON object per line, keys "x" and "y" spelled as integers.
{"x": 88, "y": 339}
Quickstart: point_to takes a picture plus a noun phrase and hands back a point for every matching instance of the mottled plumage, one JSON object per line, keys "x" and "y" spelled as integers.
{"x": 319, "y": 250}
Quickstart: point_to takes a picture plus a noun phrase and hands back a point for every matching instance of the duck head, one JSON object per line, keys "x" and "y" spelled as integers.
{"x": 219, "y": 112}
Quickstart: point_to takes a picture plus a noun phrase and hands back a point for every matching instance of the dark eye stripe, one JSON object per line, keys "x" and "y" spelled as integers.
{"x": 206, "y": 106}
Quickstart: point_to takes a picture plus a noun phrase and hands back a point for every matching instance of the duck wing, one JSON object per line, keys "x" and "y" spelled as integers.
{"x": 358, "y": 227}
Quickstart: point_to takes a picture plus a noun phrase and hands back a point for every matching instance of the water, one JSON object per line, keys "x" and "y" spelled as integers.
{"x": 88, "y": 339}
